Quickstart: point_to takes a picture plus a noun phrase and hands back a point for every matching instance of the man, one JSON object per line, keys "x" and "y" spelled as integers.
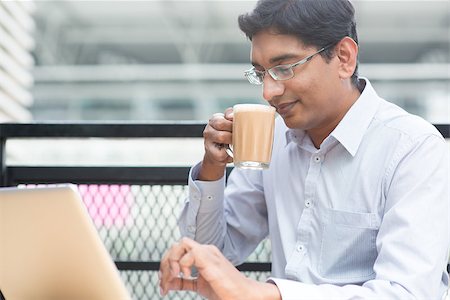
{"x": 356, "y": 199}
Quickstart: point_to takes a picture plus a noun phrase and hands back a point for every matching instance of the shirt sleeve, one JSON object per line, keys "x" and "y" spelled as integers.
{"x": 413, "y": 240}
{"x": 203, "y": 210}
{"x": 233, "y": 219}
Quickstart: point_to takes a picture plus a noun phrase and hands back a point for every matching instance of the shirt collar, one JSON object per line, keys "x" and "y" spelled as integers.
{"x": 294, "y": 135}
{"x": 350, "y": 131}
{"x": 352, "y": 127}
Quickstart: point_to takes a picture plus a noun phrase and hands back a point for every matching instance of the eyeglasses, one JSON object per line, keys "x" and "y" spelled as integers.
{"x": 280, "y": 72}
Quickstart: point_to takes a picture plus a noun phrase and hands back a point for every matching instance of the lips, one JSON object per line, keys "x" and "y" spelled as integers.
{"x": 284, "y": 108}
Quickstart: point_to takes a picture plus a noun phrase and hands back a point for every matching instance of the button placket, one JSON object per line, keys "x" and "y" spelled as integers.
{"x": 304, "y": 228}
{"x": 300, "y": 248}
{"x": 295, "y": 261}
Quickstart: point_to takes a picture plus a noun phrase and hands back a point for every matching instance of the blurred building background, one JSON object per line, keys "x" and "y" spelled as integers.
{"x": 16, "y": 42}
{"x": 184, "y": 60}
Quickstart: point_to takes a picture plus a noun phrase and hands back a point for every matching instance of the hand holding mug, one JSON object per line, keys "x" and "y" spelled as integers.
{"x": 217, "y": 134}
{"x": 243, "y": 134}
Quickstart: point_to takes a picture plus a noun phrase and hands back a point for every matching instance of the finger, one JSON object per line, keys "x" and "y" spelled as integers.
{"x": 182, "y": 284}
{"x": 177, "y": 252}
{"x": 214, "y": 135}
{"x": 186, "y": 263}
{"x": 220, "y": 123}
{"x": 188, "y": 260}
{"x": 216, "y": 152}
{"x": 165, "y": 278}
{"x": 229, "y": 114}
{"x": 170, "y": 267}
{"x": 218, "y": 115}
{"x": 174, "y": 265}
{"x": 188, "y": 243}
{"x": 164, "y": 272}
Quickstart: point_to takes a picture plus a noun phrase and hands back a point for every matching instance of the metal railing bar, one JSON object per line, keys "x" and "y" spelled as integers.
{"x": 137, "y": 265}
{"x": 98, "y": 175}
{"x": 255, "y": 267}
{"x": 178, "y": 129}
{"x": 182, "y": 129}
{"x": 154, "y": 266}
{"x": 3, "y": 172}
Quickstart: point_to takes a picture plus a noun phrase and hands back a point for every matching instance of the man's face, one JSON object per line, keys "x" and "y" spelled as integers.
{"x": 311, "y": 100}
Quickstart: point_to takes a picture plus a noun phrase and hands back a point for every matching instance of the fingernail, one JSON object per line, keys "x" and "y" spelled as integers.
{"x": 161, "y": 291}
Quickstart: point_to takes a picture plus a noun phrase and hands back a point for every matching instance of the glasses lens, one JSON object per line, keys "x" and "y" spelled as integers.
{"x": 253, "y": 77}
{"x": 281, "y": 72}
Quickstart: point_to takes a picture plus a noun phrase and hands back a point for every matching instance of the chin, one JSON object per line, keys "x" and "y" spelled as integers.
{"x": 296, "y": 123}
{"x": 292, "y": 123}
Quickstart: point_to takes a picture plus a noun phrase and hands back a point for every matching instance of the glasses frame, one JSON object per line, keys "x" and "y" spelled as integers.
{"x": 252, "y": 74}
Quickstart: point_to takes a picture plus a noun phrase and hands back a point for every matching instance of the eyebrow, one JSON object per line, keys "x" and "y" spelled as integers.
{"x": 278, "y": 58}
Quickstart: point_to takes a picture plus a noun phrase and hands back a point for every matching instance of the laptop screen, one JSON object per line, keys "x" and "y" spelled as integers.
{"x": 50, "y": 248}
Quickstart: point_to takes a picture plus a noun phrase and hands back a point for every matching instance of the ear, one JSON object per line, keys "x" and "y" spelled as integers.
{"x": 347, "y": 53}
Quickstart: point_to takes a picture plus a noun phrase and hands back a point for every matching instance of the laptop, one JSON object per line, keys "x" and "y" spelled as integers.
{"x": 50, "y": 249}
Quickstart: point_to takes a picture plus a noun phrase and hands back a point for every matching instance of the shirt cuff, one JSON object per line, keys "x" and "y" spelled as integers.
{"x": 295, "y": 290}
{"x": 207, "y": 196}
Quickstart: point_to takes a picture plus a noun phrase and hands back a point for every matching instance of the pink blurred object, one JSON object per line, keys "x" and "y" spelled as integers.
{"x": 108, "y": 205}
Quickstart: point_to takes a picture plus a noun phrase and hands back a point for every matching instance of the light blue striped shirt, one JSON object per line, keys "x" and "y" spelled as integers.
{"x": 366, "y": 216}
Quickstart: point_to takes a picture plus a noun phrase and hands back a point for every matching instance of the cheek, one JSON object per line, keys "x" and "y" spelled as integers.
{"x": 314, "y": 88}
{"x": 323, "y": 85}
{"x": 316, "y": 99}
{"x": 310, "y": 92}
{"x": 311, "y": 82}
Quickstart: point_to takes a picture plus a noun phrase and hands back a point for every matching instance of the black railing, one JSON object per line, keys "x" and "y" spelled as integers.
{"x": 146, "y": 186}
{"x": 13, "y": 175}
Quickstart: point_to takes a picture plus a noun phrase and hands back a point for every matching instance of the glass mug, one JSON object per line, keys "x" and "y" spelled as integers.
{"x": 253, "y": 127}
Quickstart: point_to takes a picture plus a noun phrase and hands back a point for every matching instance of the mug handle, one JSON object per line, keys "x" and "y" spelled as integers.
{"x": 229, "y": 150}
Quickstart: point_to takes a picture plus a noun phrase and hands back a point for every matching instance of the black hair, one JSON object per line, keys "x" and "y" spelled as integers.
{"x": 317, "y": 23}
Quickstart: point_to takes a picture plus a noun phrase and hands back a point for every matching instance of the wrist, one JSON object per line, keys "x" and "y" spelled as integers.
{"x": 263, "y": 290}
{"x": 211, "y": 170}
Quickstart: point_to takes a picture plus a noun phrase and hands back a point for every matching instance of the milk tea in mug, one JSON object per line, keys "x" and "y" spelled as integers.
{"x": 253, "y": 126}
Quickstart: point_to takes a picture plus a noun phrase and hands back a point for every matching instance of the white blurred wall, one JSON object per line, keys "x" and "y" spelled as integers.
{"x": 16, "y": 42}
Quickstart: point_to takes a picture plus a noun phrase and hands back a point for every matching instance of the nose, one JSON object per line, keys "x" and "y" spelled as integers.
{"x": 272, "y": 88}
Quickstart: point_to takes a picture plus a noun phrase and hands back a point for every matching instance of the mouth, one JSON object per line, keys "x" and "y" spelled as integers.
{"x": 284, "y": 108}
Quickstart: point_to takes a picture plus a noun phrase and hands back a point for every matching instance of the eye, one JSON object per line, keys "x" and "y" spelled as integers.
{"x": 283, "y": 70}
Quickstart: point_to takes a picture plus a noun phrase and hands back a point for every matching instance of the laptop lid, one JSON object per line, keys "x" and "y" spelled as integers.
{"x": 50, "y": 249}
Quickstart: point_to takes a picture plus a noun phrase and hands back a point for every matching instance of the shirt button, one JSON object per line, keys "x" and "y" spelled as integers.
{"x": 300, "y": 248}
{"x": 317, "y": 159}
{"x": 210, "y": 197}
{"x": 307, "y": 203}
